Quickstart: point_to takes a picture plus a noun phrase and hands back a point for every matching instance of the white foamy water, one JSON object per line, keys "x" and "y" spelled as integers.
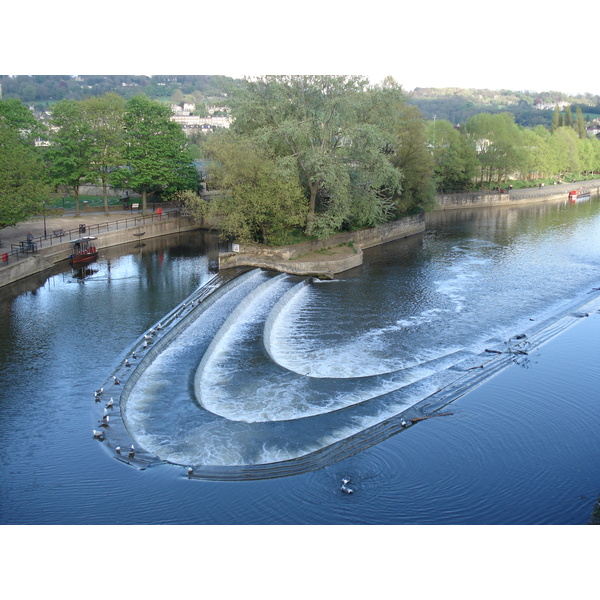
{"x": 279, "y": 368}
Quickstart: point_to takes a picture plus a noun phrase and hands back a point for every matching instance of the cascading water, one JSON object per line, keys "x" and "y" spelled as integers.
{"x": 281, "y": 374}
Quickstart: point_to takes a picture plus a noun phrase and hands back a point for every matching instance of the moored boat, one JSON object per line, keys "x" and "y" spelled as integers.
{"x": 577, "y": 195}
{"x": 83, "y": 250}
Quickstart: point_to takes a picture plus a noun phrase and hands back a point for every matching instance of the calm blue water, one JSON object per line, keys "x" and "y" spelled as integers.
{"x": 281, "y": 389}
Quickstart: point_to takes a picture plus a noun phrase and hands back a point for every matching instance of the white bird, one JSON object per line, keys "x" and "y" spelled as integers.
{"x": 131, "y": 451}
{"x": 347, "y": 490}
{"x": 403, "y": 423}
{"x": 99, "y": 391}
{"x": 134, "y": 355}
{"x": 190, "y": 471}
{"x": 148, "y": 337}
{"x": 345, "y": 480}
{"x": 117, "y": 382}
{"x": 118, "y": 449}
{"x": 127, "y": 363}
{"x": 145, "y": 344}
{"x": 110, "y": 403}
{"x": 159, "y": 327}
{"x": 98, "y": 434}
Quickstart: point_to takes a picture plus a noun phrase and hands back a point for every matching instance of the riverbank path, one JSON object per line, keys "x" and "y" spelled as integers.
{"x": 43, "y": 230}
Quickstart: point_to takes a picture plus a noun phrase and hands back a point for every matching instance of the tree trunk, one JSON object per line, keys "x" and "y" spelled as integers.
{"x": 144, "y": 193}
{"x": 310, "y": 218}
{"x": 76, "y": 196}
{"x": 105, "y": 194}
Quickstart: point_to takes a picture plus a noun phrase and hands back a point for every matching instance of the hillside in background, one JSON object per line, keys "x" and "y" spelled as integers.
{"x": 40, "y": 90}
{"x": 530, "y": 108}
{"x": 452, "y": 104}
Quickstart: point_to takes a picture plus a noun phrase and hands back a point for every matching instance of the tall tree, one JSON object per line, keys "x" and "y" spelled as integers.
{"x": 18, "y": 116}
{"x": 156, "y": 151}
{"x": 23, "y": 186}
{"x": 556, "y": 118}
{"x": 261, "y": 199}
{"x": 455, "y": 159}
{"x": 72, "y": 149}
{"x": 318, "y": 122}
{"x": 580, "y": 124}
{"x": 105, "y": 115}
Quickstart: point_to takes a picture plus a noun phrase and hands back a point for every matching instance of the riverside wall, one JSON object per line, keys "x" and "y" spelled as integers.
{"x": 344, "y": 250}
{"x": 49, "y": 256}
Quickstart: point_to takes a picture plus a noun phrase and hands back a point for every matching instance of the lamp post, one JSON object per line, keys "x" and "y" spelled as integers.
{"x": 45, "y": 234}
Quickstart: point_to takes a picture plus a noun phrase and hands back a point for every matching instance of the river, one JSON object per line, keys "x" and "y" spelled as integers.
{"x": 282, "y": 388}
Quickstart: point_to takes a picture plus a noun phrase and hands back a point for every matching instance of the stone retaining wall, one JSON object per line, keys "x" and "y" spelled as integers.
{"x": 51, "y": 255}
{"x": 288, "y": 259}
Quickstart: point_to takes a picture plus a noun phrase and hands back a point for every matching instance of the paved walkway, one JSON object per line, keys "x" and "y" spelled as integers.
{"x": 42, "y": 231}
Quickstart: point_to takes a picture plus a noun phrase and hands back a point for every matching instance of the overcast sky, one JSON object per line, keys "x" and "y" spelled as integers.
{"x": 516, "y": 44}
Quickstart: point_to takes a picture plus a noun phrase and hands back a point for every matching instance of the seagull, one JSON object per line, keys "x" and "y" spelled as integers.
{"x": 134, "y": 355}
{"x": 145, "y": 344}
{"x": 345, "y": 480}
{"x": 98, "y": 434}
{"x": 127, "y": 363}
{"x": 98, "y": 392}
{"x": 403, "y": 423}
{"x": 148, "y": 337}
{"x": 110, "y": 403}
{"x": 159, "y": 327}
{"x": 118, "y": 449}
{"x": 117, "y": 382}
{"x": 347, "y": 490}
{"x": 190, "y": 471}
{"x": 131, "y": 451}
{"x": 152, "y": 331}
{"x": 104, "y": 421}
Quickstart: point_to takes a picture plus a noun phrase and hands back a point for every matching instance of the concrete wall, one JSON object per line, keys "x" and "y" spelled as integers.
{"x": 51, "y": 255}
{"x": 288, "y": 259}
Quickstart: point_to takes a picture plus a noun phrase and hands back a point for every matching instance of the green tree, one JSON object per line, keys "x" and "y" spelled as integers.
{"x": 319, "y": 122}
{"x": 556, "y": 119}
{"x": 72, "y": 150}
{"x": 105, "y": 115}
{"x": 156, "y": 151}
{"x": 499, "y": 144}
{"x": 564, "y": 144}
{"x": 18, "y": 116}
{"x": 568, "y": 119}
{"x": 261, "y": 198}
{"x": 580, "y": 124}
{"x": 455, "y": 159}
{"x": 23, "y": 187}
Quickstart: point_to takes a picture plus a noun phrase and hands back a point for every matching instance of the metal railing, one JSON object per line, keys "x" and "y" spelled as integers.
{"x": 60, "y": 236}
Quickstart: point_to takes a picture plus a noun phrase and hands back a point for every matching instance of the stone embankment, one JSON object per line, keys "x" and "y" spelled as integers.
{"x": 50, "y": 250}
{"x": 322, "y": 258}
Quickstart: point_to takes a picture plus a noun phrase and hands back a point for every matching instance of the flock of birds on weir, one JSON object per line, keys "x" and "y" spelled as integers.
{"x": 99, "y": 434}
{"x": 104, "y": 421}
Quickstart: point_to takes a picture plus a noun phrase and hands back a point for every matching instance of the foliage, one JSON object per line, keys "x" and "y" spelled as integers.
{"x": 262, "y": 199}
{"x": 72, "y": 152}
{"x": 322, "y": 125}
{"x": 156, "y": 153}
{"x": 23, "y": 187}
{"x": 106, "y": 117}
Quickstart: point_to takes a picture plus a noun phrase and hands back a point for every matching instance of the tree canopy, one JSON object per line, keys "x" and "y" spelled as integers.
{"x": 23, "y": 186}
{"x": 156, "y": 155}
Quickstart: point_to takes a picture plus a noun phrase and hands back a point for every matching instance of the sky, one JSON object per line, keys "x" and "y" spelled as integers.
{"x": 516, "y": 45}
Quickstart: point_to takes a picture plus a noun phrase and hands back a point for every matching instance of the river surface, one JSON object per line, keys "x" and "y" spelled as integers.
{"x": 275, "y": 389}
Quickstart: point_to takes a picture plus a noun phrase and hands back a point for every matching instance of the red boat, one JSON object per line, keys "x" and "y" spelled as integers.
{"x": 84, "y": 250}
{"x": 577, "y": 195}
